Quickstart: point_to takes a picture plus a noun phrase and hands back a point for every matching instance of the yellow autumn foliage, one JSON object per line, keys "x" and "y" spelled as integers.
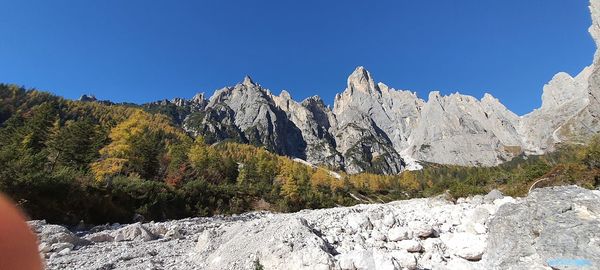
{"x": 408, "y": 181}
{"x": 139, "y": 124}
{"x": 108, "y": 167}
{"x": 320, "y": 178}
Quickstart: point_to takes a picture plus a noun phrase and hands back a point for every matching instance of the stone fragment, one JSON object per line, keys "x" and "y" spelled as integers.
{"x": 465, "y": 245}
{"x": 409, "y": 245}
{"x": 492, "y": 196}
{"x": 132, "y": 232}
{"x": 359, "y": 222}
{"x": 405, "y": 260}
{"x": 399, "y": 233}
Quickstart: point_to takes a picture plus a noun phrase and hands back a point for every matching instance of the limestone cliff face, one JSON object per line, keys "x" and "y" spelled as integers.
{"x": 587, "y": 121}
{"x": 395, "y": 112}
{"x": 459, "y": 129}
{"x": 247, "y": 113}
{"x": 374, "y": 123}
{"x": 375, "y": 128}
{"x": 316, "y": 123}
{"x": 563, "y": 98}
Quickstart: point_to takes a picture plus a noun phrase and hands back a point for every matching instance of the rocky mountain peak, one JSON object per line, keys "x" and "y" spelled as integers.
{"x": 285, "y": 94}
{"x": 179, "y": 102}
{"x": 434, "y": 95}
{"x": 594, "y": 87}
{"x": 87, "y": 98}
{"x": 595, "y": 27}
{"x": 563, "y": 89}
{"x": 487, "y": 97}
{"x": 586, "y": 122}
{"x": 490, "y": 101}
{"x": 248, "y": 81}
{"x": 361, "y": 80}
{"x": 198, "y": 98}
{"x": 314, "y": 100}
{"x": 383, "y": 87}
{"x": 374, "y": 127}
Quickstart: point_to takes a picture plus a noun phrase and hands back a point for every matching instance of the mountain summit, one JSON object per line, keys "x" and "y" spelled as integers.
{"x": 375, "y": 128}
{"x": 361, "y": 80}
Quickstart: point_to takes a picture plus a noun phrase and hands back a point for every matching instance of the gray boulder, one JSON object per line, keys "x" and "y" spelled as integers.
{"x": 53, "y": 234}
{"x": 132, "y": 232}
{"x": 99, "y": 237}
{"x": 556, "y": 225}
{"x": 492, "y": 196}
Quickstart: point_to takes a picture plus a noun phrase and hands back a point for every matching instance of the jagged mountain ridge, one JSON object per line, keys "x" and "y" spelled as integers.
{"x": 375, "y": 128}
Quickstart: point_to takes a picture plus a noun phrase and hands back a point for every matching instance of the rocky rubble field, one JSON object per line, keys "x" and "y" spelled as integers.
{"x": 555, "y": 227}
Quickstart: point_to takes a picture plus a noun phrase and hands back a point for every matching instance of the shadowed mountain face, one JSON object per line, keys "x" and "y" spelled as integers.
{"x": 247, "y": 113}
{"x": 375, "y": 128}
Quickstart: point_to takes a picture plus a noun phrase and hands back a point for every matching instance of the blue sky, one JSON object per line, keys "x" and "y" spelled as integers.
{"x": 140, "y": 51}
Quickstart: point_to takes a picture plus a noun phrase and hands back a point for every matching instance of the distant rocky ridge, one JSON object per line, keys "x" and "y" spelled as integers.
{"x": 375, "y": 128}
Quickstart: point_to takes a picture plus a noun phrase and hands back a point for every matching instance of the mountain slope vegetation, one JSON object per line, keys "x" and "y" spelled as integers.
{"x": 70, "y": 161}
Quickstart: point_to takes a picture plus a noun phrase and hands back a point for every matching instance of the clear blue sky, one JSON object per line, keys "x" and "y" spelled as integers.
{"x": 140, "y": 51}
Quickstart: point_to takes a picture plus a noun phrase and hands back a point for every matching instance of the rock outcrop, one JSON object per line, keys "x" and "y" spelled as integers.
{"x": 553, "y": 227}
{"x": 556, "y": 227}
{"x": 587, "y": 121}
{"x": 375, "y": 128}
{"x": 459, "y": 129}
{"x": 316, "y": 123}
{"x": 247, "y": 113}
{"x": 87, "y": 98}
{"x": 374, "y": 123}
{"x": 562, "y": 99}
